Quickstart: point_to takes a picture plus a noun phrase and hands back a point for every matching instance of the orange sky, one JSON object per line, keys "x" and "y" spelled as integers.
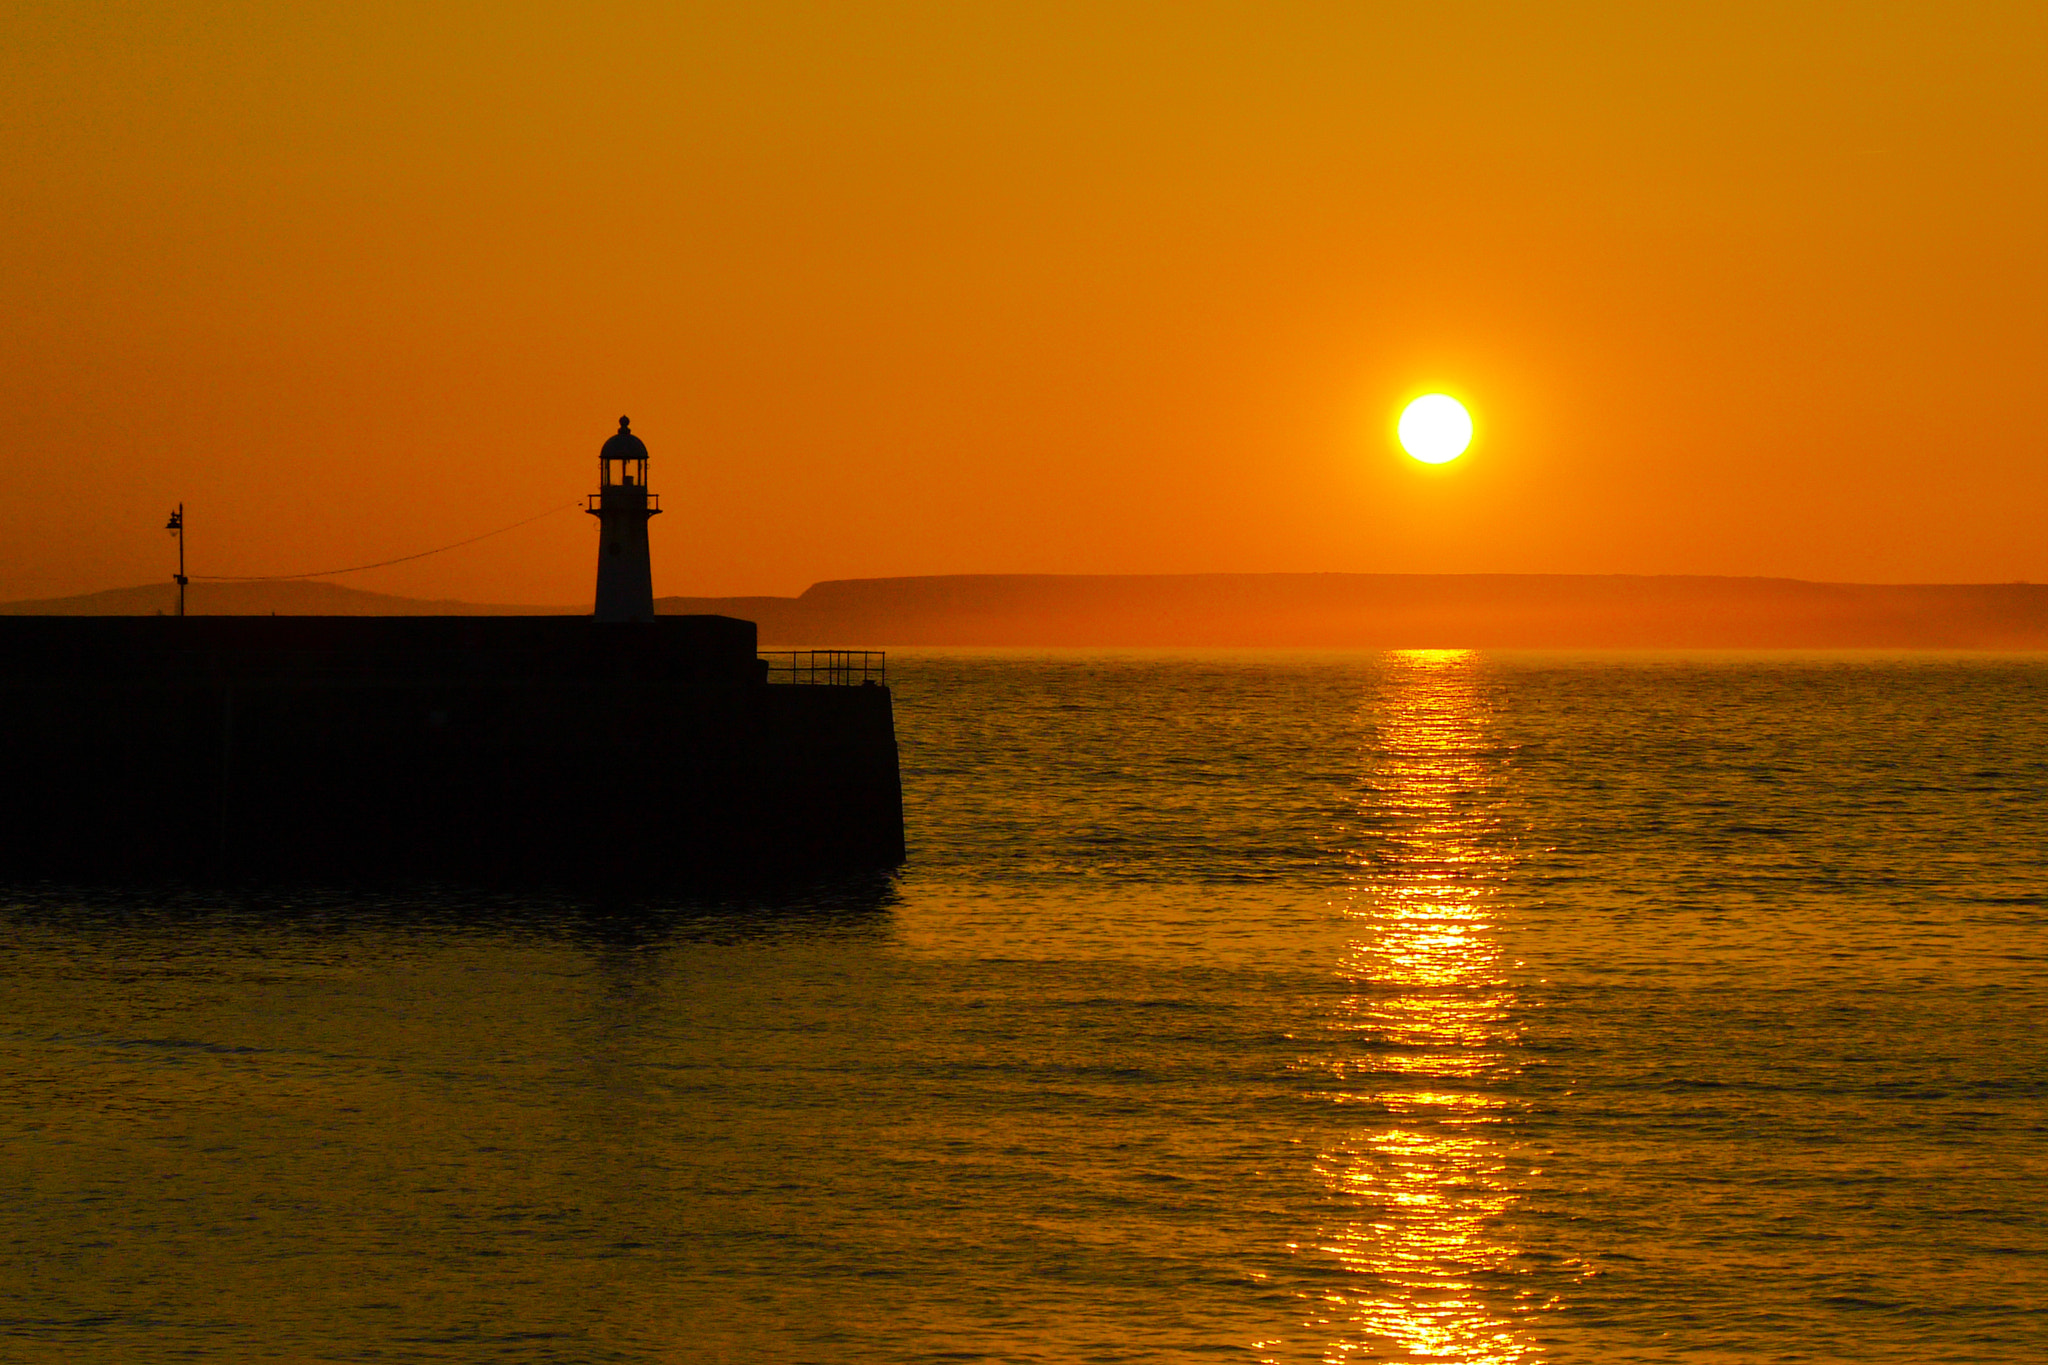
{"x": 1090, "y": 287}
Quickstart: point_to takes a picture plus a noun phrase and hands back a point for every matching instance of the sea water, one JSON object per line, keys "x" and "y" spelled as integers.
{"x": 1433, "y": 1006}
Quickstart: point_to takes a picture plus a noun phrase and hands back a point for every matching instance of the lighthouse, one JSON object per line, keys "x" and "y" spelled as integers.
{"x": 625, "y": 578}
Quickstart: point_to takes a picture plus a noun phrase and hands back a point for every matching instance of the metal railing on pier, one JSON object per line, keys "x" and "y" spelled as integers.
{"x": 827, "y": 667}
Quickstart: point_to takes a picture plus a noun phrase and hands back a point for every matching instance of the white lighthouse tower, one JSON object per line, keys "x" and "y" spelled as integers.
{"x": 625, "y": 578}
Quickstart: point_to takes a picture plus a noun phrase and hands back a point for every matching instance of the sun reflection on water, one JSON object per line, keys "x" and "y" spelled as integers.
{"x": 1422, "y": 1048}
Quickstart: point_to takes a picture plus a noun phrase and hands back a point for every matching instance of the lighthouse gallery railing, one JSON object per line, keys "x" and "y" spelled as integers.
{"x": 827, "y": 667}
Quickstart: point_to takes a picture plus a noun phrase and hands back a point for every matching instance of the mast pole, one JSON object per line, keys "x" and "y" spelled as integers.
{"x": 177, "y": 528}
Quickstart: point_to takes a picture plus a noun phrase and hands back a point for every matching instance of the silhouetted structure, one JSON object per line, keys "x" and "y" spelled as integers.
{"x": 176, "y": 526}
{"x": 610, "y": 748}
{"x": 625, "y": 572}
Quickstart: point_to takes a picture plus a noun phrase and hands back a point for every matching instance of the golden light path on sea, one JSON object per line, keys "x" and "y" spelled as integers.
{"x": 1423, "y": 1043}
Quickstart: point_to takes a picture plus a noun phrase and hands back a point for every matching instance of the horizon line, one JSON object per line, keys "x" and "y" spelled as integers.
{"x": 302, "y": 583}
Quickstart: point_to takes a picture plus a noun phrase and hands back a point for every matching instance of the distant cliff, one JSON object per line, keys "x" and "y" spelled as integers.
{"x": 1383, "y": 611}
{"x": 1392, "y": 611}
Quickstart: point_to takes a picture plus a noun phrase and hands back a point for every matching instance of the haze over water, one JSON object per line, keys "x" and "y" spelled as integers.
{"x": 1273, "y": 1007}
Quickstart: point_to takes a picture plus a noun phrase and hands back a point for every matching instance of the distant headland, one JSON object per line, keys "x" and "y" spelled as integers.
{"x": 1388, "y": 611}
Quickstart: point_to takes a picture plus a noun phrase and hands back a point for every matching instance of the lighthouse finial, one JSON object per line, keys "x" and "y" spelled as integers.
{"x": 625, "y": 422}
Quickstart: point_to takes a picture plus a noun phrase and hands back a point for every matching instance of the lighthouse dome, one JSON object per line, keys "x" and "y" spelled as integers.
{"x": 624, "y": 445}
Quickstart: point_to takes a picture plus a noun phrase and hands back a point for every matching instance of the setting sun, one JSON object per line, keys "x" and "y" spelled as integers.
{"x": 1435, "y": 428}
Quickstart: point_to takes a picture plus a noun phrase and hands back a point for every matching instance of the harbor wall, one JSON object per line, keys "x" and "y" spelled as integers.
{"x": 488, "y": 747}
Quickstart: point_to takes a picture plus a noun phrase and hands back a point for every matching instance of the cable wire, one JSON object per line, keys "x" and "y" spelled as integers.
{"x": 358, "y": 568}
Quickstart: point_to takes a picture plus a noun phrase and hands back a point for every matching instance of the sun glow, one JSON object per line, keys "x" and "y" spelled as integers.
{"x": 1435, "y": 428}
